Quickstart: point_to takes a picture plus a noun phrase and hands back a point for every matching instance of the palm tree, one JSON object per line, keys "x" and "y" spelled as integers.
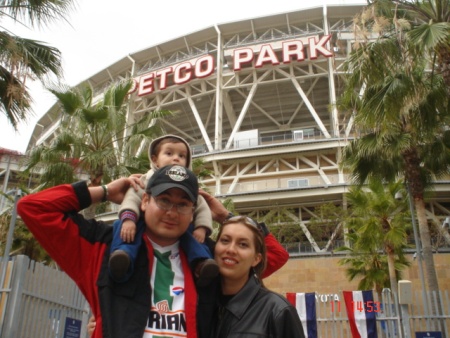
{"x": 198, "y": 167}
{"x": 402, "y": 114}
{"x": 94, "y": 138}
{"x": 430, "y": 31}
{"x": 378, "y": 220}
{"x": 370, "y": 266}
{"x": 23, "y": 59}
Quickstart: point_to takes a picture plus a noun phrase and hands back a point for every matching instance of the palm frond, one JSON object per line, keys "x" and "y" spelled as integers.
{"x": 430, "y": 35}
{"x": 15, "y": 101}
{"x": 37, "y": 12}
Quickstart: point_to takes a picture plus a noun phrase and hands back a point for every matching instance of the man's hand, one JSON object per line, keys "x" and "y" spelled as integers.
{"x": 116, "y": 189}
{"x": 91, "y": 326}
{"x": 218, "y": 211}
{"x": 199, "y": 234}
{"x": 128, "y": 231}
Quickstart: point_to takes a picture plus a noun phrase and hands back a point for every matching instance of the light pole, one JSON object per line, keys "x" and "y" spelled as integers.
{"x": 12, "y": 223}
{"x": 419, "y": 255}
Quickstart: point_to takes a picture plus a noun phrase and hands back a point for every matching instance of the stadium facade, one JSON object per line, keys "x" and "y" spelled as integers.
{"x": 256, "y": 101}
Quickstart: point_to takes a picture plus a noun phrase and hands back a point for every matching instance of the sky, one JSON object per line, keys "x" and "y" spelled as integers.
{"x": 98, "y": 33}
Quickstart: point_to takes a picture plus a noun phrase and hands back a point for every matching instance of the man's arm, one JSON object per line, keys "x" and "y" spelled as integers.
{"x": 277, "y": 255}
{"x": 52, "y": 216}
{"x": 114, "y": 191}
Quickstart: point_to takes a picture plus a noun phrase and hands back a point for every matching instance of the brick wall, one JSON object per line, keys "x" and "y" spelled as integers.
{"x": 324, "y": 276}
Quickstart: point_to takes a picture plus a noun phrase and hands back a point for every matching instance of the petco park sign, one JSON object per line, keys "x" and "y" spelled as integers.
{"x": 258, "y": 55}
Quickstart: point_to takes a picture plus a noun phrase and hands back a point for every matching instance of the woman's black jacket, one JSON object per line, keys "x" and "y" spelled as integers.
{"x": 253, "y": 312}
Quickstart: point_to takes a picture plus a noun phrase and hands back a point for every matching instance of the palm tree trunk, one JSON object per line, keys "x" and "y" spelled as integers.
{"x": 444, "y": 64}
{"x": 417, "y": 192}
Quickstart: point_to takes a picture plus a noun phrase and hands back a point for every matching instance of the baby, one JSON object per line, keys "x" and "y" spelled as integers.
{"x": 165, "y": 150}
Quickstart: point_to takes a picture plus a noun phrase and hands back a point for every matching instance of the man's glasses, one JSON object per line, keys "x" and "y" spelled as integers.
{"x": 165, "y": 204}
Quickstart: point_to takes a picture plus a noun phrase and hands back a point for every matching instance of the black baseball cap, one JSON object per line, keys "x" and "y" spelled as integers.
{"x": 173, "y": 176}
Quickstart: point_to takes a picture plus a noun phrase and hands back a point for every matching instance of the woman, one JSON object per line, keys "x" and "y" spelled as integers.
{"x": 244, "y": 307}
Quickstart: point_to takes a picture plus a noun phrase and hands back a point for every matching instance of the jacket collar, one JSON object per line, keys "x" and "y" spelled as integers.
{"x": 241, "y": 301}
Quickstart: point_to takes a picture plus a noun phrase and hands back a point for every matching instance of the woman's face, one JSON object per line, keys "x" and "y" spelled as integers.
{"x": 235, "y": 252}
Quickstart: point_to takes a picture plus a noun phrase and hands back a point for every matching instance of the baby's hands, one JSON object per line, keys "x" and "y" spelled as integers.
{"x": 128, "y": 231}
{"x": 200, "y": 234}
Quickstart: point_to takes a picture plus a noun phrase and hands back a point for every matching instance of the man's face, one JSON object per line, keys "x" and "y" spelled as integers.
{"x": 164, "y": 227}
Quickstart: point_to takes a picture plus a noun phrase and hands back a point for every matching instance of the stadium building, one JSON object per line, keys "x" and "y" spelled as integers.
{"x": 256, "y": 101}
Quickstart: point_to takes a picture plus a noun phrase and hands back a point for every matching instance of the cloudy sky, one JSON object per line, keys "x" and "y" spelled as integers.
{"x": 100, "y": 32}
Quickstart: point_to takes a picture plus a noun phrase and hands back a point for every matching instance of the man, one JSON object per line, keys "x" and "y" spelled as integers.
{"x": 160, "y": 297}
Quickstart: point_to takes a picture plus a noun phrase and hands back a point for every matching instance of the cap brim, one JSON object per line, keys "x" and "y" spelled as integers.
{"x": 160, "y": 188}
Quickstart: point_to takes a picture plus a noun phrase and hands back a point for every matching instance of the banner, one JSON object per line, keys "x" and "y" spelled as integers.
{"x": 305, "y": 303}
{"x": 361, "y": 312}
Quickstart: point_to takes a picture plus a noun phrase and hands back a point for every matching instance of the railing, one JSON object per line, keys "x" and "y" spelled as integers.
{"x": 307, "y": 249}
{"x": 307, "y": 135}
{"x": 392, "y": 318}
{"x": 39, "y": 301}
{"x": 301, "y": 182}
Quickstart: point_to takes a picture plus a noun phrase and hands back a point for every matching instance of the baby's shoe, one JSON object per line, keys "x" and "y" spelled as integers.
{"x": 119, "y": 262}
{"x": 206, "y": 271}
